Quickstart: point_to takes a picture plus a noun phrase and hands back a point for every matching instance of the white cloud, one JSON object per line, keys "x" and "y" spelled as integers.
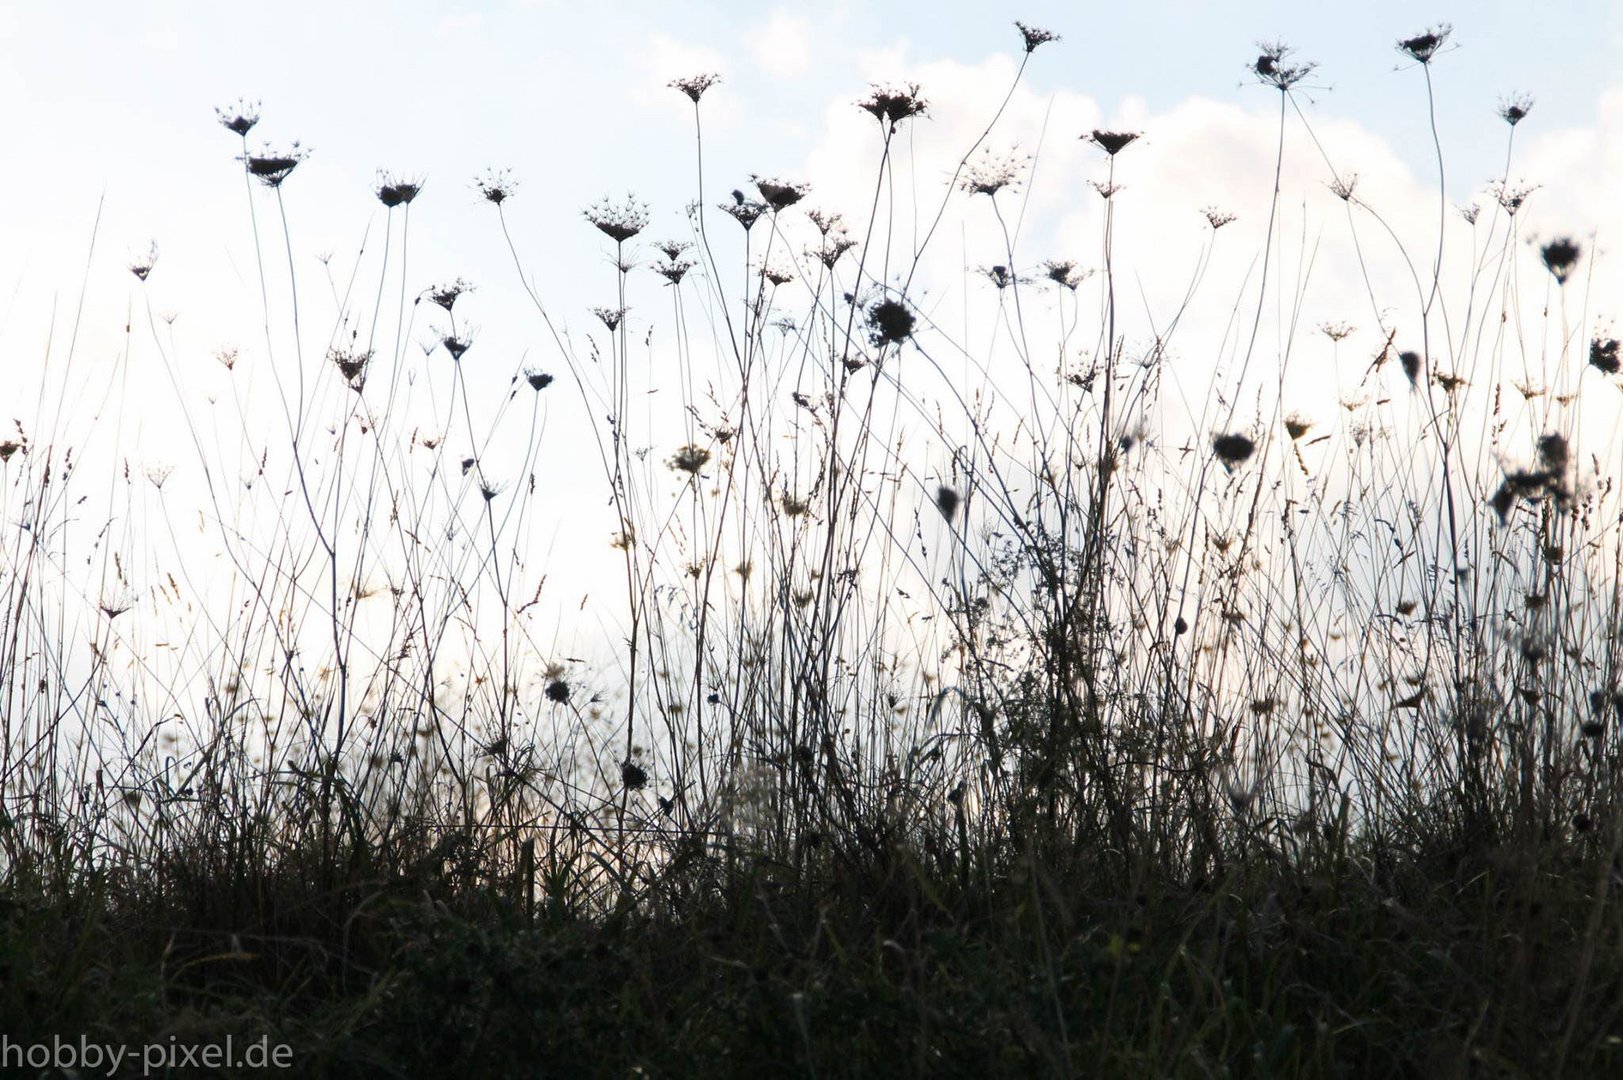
{"x": 782, "y": 45}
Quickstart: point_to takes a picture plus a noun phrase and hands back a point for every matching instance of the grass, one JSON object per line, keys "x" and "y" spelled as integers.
{"x": 957, "y": 721}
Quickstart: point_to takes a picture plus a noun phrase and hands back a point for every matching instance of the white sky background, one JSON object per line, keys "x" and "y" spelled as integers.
{"x": 114, "y": 101}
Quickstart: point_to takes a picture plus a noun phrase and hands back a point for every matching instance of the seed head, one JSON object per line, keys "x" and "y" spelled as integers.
{"x": 142, "y": 264}
{"x": 558, "y": 691}
{"x": 672, "y": 249}
{"x": 633, "y": 776}
{"x": 271, "y": 167}
{"x": 1297, "y": 425}
{"x": 746, "y": 212}
{"x": 538, "y": 380}
{"x": 612, "y": 317}
{"x": 456, "y": 346}
{"x": 1034, "y": 36}
{"x": 495, "y": 186}
{"x": 889, "y": 323}
{"x": 892, "y": 104}
{"x": 991, "y": 174}
{"x": 689, "y": 459}
{"x": 239, "y": 118}
{"x": 946, "y": 501}
{"x": 1603, "y": 355}
{"x": 1561, "y": 257}
{"x": 674, "y": 272}
{"x": 1271, "y": 69}
{"x": 446, "y": 295}
{"x": 1423, "y": 46}
{"x": 1233, "y": 449}
{"x": 1112, "y": 142}
{"x": 1514, "y": 109}
{"x": 779, "y": 194}
{"x": 619, "y": 222}
{"x": 1217, "y": 218}
{"x": 694, "y": 86}
{"x": 393, "y": 192}
{"x": 1411, "y": 366}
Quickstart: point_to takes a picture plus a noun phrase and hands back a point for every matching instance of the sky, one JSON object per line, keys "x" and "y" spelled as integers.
{"x": 110, "y": 134}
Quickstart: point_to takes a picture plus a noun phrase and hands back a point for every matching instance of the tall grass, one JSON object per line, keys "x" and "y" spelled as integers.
{"x": 963, "y": 708}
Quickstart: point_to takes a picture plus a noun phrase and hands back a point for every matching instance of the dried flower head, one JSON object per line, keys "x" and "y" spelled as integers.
{"x": 558, "y": 692}
{"x": 1510, "y": 198}
{"x": 1344, "y": 186}
{"x": 1469, "y": 212}
{"x": 1297, "y": 425}
{"x": 825, "y": 222}
{"x": 1064, "y": 272}
{"x": 1514, "y": 109}
{"x": 495, "y": 186}
{"x": 351, "y": 364}
{"x": 1553, "y": 452}
{"x": 1217, "y": 218}
{"x": 779, "y": 194}
{"x": 1561, "y": 257}
{"x": 619, "y": 222}
{"x": 694, "y": 86}
{"x": 777, "y": 275}
{"x": 990, "y": 174}
{"x": 1603, "y": 355}
{"x": 271, "y": 167}
{"x": 672, "y": 249}
{"x": 946, "y": 501}
{"x": 446, "y": 295}
{"x": 1411, "y": 364}
{"x": 745, "y": 211}
{"x": 891, "y": 104}
{"x": 889, "y": 322}
{"x": 393, "y": 192}
{"x": 1272, "y": 69}
{"x": 538, "y": 380}
{"x": 1233, "y": 449}
{"x": 674, "y": 272}
{"x": 689, "y": 459}
{"x": 143, "y": 263}
{"x": 1034, "y": 36}
{"x": 1112, "y": 142}
{"x": 239, "y": 117}
{"x": 1106, "y": 190}
{"x": 611, "y": 317}
{"x": 633, "y": 776}
{"x": 834, "y": 247}
{"x": 455, "y": 345}
{"x": 1423, "y": 46}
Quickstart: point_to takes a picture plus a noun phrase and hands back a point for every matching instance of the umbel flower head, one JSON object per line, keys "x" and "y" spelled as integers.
{"x": 1514, "y": 109}
{"x": 889, "y": 322}
{"x": 890, "y": 105}
{"x": 744, "y": 211}
{"x": 619, "y": 222}
{"x": 1423, "y": 46}
{"x": 694, "y": 86}
{"x": 141, "y": 266}
{"x": 394, "y": 192}
{"x": 1233, "y": 449}
{"x": 1561, "y": 257}
{"x": 779, "y": 194}
{"x": 495, "y": 186}
{"x": 1034, "y": 36}
{"x": 1603, "y": 355}
{"x": 446, "y": 295}
{"x": 271, "y": 167}
{"x": 1112, "y": 142}
{"x": 1271, "y": 66}
{"x": 990, "y": 174}
{"x": 240, "y": 117}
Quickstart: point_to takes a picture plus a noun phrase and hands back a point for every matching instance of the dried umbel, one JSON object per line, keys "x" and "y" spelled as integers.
{"x": 446, "y": 296}
{"x": 1233, "y": 449}
{"x": 239, "y": 118}
{"x": 496, "y": 186}
{"x": 1112, "y": 142}
{"x": 690, "y": 459}
{"x": 1514, "y": 109}
{"x": 779, "y": 194}
{"x": 1423, "y": 46}
{"x": 1561, "y": 258}
{"x": 1603, "y": 355}
{"x": 1034, "y": 36}
{"x": 890, "y": 105}
{"x": 1272, "y": 69}
{"x": 393, "y": 192}
{"x": 889, "y": 322}
{"x": 271, "y": 167}
{"x": 618, "y": 221}
{"x": 694, "y": 86}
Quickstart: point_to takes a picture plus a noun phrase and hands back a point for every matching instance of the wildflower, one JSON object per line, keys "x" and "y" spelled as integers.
{"x": 270, "y": 167}
{"x": 393, "y": 192}
{"x": 746, "y": 212}
{"x": 1603, "y": 355}
{"x": 694, "y": 86}
{"x": 891, "y": 105}
{"x": 226, "y": 356}
{"x": 779, "y": 194}
{"x": 889, "y": 323}
{"x": 142, "y": 264}
{"x": 1112, "y": 142}
{"x": 1232, "y": 449}
{"x": 1514, "y": 109}
{"x": 619, "y": 223}
{"x": 1469, "y": 213}
{"x": 1063, "y": 272}
{"x": 672, "y": 249}
{"x": 825, "y": 222}
{"x": 1344, "y": 186}
{"x": 1297, "y": 425}
{"x": 1034, "y": 36}
{"x": 1270, "y": 67}
{"x": 1560, "y": 257}
{"x": 1510, "y": 199}
{"x": 833, "y": 248}
{"x": 633, "y": 776}
{"x": 1217, "y": 218}
{"x": 689, "y": 459}
{"x": 1411, "y": 366}
{"x": 351, "y": 365}
{"x": 612, "y": 317}
{"x": 239, "y": 118}
{"x": 538, "y": 380}
{"x": 446, "y": 295}
{"x": 456, "y": 346}
{"x": 1336, "y": 331}
{"x": 777, "y": 275}
{"x": 946, "y": 501}
{"x": 489, "y": 489}
{"x": 558, "y": 692}
{"x": 1423, "y": 46}
{"x": 990, "y": 175}
{"x": 674, "y": 272}
{"x": 495, "y": 186}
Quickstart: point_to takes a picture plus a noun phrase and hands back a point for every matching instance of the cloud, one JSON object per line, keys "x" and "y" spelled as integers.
{"x": 782, "y": 46}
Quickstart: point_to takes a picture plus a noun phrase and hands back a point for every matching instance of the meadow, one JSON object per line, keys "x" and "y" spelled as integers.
{"x": 992, "y": 677}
